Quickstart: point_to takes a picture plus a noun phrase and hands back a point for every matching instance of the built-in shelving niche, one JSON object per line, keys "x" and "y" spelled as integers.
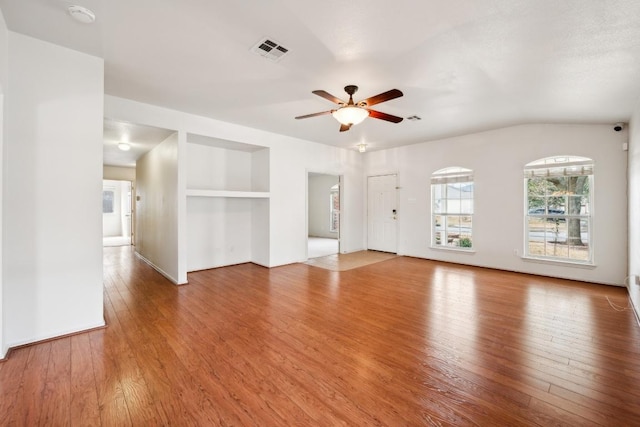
{"x": 227, "y": 203}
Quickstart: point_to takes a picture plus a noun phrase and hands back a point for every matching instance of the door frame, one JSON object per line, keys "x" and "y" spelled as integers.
{"x": 121, "y": 190}
{"x": 340, "y": 214}
{"x": 394, "y": 174}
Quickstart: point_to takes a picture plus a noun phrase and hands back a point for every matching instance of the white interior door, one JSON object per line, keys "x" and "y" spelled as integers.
{"x": 382, "y": 213}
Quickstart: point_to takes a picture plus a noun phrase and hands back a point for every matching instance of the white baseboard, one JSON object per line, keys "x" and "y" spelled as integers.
{"x": 159, "y": 270}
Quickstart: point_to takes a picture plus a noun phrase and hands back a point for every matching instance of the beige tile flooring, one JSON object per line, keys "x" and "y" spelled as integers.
{"x": 343, "y": 262}
{"x": 320, "y": 246}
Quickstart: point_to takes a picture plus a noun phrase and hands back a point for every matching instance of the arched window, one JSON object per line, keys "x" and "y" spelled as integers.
{"x": 452, "y": 208}
{"x": 558, "y": 209}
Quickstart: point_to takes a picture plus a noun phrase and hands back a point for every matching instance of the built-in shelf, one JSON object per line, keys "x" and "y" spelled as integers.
{"x": 226, "y": 193}
{"x": 228, "y": 202}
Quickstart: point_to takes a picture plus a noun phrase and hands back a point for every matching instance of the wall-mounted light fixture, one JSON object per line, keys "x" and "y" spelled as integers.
{"x": 362, "y": 147}
{"x": 124, "y": 146}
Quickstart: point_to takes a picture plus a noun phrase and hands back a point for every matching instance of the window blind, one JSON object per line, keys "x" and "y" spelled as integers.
{"x": 452, "y": 177}
{"x": 565, "y": 169}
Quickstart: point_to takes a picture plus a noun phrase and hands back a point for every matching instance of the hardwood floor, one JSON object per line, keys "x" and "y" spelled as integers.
{"x": 400, "y": 342}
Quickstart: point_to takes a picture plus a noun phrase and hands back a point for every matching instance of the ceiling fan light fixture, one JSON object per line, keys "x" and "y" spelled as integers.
{"x": 124, "y": 146}
{"x": 350, "y": 115}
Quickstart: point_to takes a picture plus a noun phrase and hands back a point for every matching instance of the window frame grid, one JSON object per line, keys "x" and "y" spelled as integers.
{"x": 440, "y": 182}
{"x": 536, "y": 170}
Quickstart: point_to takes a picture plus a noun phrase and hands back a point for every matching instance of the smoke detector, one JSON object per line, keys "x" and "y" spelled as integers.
{"x": 81, "y": 14}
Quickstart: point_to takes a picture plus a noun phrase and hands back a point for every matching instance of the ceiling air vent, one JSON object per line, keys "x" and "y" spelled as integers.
{"x": 270, "y": 49}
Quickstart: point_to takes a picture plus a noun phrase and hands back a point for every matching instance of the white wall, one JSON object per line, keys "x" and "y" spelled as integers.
{"x": 319, "y": 205}
{"x": 4, "y": 55}
{"x": 220, "y": 231}
{"x": 52, "y": 246}
{"x": 118, "y": 173}
{"x": 497, "y": 159}
{"x": 157, "y": 207}
{"x": 634, "y": 208}
{"x": 260, "y": 220}
{"x": 290, "y": 159}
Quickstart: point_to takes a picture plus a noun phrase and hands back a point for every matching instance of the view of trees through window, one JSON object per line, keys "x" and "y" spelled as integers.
{"x": 558, "y": 215}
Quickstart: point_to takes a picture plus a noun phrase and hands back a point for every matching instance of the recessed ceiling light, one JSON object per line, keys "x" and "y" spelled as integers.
{"x": 81, "y": 14}
{"x": 124, "y": 146}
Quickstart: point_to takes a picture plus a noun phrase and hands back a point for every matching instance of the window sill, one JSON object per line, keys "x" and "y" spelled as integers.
{"x": 559, "y": 262}
{"x": 453, "y": 249}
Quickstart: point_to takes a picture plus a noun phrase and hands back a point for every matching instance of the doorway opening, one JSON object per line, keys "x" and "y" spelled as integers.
{"x": 116, "y": 213}
{"x": 323, "y": 215}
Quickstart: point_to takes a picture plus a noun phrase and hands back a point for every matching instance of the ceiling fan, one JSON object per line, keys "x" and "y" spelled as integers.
{"x": 351, "y": 113}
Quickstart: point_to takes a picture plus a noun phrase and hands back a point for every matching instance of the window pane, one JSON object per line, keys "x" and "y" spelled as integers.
{"x": 438, "y": 228}
{"x": 466, "y": 190}
{"x": 547, "y": 236}
{"x": 559, "y": 185}
{"x": 556, "y": 203}
{"x": 452, "y": 209}
{"x": 465, "y": 241}
{"x": 438, "y": 205}
{"x": 466, "y": 206}
{"x": 579, "y": 240}
{"x": 439, "y": 201}
{"x": 107, "y": 201}
{"x": 537, "y": 205}
{"x": 574, "y": 204}
{"x": 536, "y": 187}
{"x": 453, "y": 206}
{"x": 334, "y": 215}
{"x": 437, "y": 191}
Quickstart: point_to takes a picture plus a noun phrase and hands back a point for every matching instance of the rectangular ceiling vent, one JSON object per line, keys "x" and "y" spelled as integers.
{"x": 270, "y": 49}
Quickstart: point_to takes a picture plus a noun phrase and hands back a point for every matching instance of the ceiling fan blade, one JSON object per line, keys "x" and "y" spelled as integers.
{"x": 344, "y": 128}
{"x": 327, "y": 95}
{"x": 314, "y": 115}
{"x": 384, "y": 116}
{"x": 385, "y": 96}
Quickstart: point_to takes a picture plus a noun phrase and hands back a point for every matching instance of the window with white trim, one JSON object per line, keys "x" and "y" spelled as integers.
{"x": 334, "y": 209}
{"x": 558, "y": 209}
{"x": 452, "y": 208}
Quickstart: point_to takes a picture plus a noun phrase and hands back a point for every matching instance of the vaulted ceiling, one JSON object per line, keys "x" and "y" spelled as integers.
{"x": 463, "y": 65}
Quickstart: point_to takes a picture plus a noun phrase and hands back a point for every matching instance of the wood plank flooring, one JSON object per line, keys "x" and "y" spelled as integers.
{"x": 400, "y": 342}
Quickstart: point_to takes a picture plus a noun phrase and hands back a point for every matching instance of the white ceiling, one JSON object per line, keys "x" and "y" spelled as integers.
{"x": 463, "y": 65}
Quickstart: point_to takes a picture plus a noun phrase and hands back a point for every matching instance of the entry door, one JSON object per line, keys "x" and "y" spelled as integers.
{"x": 382, "y": 213}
